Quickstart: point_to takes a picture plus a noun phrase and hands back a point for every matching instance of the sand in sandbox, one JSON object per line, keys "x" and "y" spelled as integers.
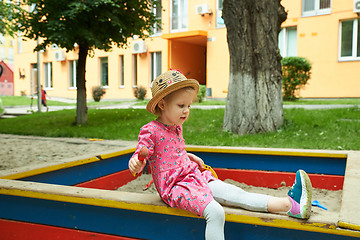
{"x": 328, "y": 198}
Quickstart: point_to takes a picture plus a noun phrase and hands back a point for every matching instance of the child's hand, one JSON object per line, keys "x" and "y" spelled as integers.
{"x": 135, "y": 165}
{"x": 197, "y": 160}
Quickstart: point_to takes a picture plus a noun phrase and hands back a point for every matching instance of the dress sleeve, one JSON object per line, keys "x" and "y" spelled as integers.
{"x": 145, "y": 139}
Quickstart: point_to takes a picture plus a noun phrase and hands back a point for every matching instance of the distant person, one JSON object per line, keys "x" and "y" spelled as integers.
{"x": 180, "y": 177}
{"x": 43, "y": 98}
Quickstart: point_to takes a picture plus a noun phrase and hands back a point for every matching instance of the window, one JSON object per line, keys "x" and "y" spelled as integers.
{"x": 155, "y": 65}
{"x": 219, "y": 19}
{"x": 349, "y": 47}
{"x": 11, "y": 55}
{"x": 135, "y": 67}
{"x": 121, "y": 68}
{"x": 48, "y": 81}
{"x": 2, "y": 39}
{"x": 315, "y": 7}
{"x": 33, "y": 78}
{"x": 104, "y": 72}
{"x": 288, "y": 42}
{"x": 179, "y": 15}
{"x": 3, "y": 53}
{"x": 72, "y": 67}
{"x": 157, "y": 12}
{"x": 19, "y": 46}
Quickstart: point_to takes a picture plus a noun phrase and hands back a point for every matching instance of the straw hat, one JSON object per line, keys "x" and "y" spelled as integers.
{"x": 167, "y": 83}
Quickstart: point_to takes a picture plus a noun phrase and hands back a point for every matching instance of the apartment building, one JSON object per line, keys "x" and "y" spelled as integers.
{"x": 193, "y": 40}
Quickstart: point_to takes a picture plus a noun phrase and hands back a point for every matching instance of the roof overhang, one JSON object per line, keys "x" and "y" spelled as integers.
{"x": 197, "y": 37}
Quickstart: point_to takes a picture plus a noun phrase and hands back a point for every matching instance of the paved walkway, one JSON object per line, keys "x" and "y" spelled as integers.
{"x": 23, "y": 110}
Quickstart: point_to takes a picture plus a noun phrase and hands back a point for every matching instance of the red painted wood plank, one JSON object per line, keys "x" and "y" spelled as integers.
{"x": 109, "y": 182}
{"x": 275, "y": 179}
{"x": 14, "y": 230}
{"x": 249, "y": 177}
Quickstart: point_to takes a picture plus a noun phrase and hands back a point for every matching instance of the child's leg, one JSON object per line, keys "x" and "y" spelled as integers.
{"x": 215, "y": 221}
{"x": 230, "y": 195}
{"x": 296, "y": 204}
{"x": 276, "y": 205}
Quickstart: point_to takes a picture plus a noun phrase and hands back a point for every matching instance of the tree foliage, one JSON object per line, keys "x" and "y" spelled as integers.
{"x": 7, "y": 17}
{"x": 97, "y": 23}
{"x": 295, "y": 74}
{"x": 88, "y": 24}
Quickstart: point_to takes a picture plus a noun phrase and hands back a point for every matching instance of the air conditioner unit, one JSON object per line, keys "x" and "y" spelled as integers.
{"x": 54, "y": 46}
{"x": 60, "y": 56}
{"x": 202, "y": 9}
{"x": 357, "y": 6}
{"x": 139, "y": 46}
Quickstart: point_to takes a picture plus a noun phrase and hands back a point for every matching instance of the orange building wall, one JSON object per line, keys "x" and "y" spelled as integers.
{"x": 218, "y": 61}
{"x": 317, "y": 39}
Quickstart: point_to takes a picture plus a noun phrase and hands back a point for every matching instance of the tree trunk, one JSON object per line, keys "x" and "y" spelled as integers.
{"x": 254, "y": 101}
{"x": 81, "y": 108}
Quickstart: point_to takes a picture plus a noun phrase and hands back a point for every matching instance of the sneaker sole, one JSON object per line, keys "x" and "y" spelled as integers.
{"x": 306, "y": 196}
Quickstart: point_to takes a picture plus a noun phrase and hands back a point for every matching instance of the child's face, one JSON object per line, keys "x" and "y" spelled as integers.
{"x": 176, "y": 107}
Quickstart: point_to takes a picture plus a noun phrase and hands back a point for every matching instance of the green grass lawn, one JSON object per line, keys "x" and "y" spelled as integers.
{"x": 26, "y": 101}
{"x": 347, "y": 101}
{"x": 309, "y": 129}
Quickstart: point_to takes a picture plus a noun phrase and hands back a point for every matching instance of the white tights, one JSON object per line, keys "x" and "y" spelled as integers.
{"x": 229, "y": 195}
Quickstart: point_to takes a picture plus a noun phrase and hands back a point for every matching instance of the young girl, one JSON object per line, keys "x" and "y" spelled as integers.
{"x": 179, "y": 176}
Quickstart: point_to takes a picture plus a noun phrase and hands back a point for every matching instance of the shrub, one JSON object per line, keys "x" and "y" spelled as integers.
{"x": 140, "y": 93}
{"x": 98, "y": 92}
{"x": 201, "y": 93}
{"x": 295, "y": 74}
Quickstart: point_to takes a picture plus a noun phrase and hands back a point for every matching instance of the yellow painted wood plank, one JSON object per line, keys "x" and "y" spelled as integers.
{"x": 65, "y": 165}
{"x": 163, "y": 209}
{"x": 266, "y": 152}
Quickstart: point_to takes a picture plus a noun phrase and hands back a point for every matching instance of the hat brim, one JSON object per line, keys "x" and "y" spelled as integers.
{"x": 150, "y": 107}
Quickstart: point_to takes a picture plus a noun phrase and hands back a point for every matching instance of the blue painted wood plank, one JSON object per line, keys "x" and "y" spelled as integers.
{"x": 82, "y": 173}
{"x": 317, "y": 165}
{"x": 137, "y": 224}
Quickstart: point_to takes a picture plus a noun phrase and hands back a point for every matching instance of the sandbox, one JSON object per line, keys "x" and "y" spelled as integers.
{"x": 76, "y": 200}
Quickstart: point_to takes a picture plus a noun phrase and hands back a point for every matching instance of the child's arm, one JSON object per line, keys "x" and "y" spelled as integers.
{"x": 197, "y": 160}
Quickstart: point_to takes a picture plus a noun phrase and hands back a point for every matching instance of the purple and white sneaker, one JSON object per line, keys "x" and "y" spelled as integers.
{"x": 300, "y": 195}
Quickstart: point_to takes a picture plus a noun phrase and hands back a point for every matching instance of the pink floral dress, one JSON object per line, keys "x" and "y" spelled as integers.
{"x": 177, "y": 179}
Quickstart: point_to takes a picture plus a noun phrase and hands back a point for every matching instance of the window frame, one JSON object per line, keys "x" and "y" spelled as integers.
{"x": 285, "y": 41}
{"x": 121, "y": 71}
{"x": 316, "y": 11}
{"x": 48, "y": 76}
{"x": 134, "y": 70}
{"x": 72, "y": 74}
{"x": 157, "y": 31}
{"x": 101, "y": 71}
{"x": 181, "y": 16}
{"x": 219, "y": 20}
{"x": 355, "y": 39}
{"x": 155, "y": 57}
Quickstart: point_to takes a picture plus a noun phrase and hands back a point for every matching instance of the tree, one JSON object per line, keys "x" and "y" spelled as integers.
{"x": 254, "y": 101}
{"x": 7, "y": 14}
{"x": 90, "y": 24}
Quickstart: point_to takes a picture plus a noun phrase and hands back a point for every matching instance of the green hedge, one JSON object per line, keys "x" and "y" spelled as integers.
{"x": 295, "y": 73}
